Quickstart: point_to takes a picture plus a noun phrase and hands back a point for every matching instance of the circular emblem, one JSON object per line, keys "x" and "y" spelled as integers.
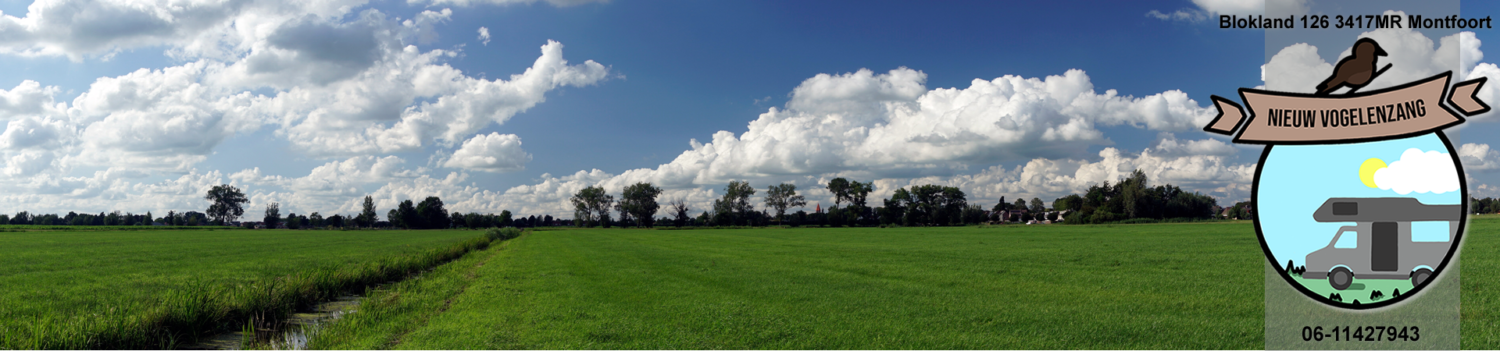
{"x": 1361, "y": 225}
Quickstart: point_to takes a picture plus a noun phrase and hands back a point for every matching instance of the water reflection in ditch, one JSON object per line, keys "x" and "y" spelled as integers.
{"x": 291, "y": 337}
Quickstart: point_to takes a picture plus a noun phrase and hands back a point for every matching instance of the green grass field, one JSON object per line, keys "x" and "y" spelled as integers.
{"x": 1171, "y": 286}
{"x": 67, "y": 281}
{"x": 1119, "y": 287}
{"x": 1155, "y": 286}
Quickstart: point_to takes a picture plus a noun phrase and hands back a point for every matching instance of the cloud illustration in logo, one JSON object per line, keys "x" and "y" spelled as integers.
{"x": 1420, "y": 172}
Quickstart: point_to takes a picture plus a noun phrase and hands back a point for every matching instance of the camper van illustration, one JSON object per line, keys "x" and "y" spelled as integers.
{"x": 1380, "y": 244}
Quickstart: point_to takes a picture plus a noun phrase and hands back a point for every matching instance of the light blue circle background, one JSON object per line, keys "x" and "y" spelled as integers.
{"x": 1296, "y": 179}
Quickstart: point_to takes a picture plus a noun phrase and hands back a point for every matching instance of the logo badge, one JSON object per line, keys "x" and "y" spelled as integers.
{"x": 1359, "y": 198}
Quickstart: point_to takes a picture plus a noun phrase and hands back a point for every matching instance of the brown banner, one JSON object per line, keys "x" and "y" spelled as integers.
{"x": 1289, "y": 118}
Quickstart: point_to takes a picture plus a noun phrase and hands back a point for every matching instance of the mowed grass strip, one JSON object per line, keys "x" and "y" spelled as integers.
{"x": 388, "y": 314}
{"x": 152, "y": 289}
{"x": 1115, "y": 287}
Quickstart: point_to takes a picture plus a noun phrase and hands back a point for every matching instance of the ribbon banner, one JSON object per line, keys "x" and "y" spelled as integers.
{"x": 1410, "y": 109}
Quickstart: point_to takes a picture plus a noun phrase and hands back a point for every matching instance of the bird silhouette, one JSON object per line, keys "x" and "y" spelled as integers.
{"x": 1355, "y": 71}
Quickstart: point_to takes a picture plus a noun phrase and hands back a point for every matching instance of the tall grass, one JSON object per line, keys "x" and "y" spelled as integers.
{"x": 185, "y": 315}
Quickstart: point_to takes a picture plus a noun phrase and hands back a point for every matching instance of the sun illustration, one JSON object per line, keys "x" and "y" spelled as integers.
{"x": 1367, "y": 171}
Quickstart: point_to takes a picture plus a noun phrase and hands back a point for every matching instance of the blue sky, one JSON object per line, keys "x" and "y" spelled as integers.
{"x": 282, "y": 100}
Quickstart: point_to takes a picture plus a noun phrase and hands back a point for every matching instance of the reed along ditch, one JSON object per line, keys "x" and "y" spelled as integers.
{"x": 202, "y": 313}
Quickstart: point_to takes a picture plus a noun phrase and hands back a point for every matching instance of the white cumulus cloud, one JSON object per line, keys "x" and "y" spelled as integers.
{"x": 159, "y": 118}
{"x": 173, "y": 118}
{"x": 1478, "y": 157}
{"x": 376, "y": 111}
{"x": 332, "y": 77}
{"x": 492, "y": 152}
{"x": 484, "y": 36}
{"x": 1420, "y": 172}
{"x": 892, "y": 124}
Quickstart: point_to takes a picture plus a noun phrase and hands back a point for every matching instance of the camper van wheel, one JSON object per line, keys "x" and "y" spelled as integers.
{"x": 1420, "y": 276}
{"x": 1340, "y": 278}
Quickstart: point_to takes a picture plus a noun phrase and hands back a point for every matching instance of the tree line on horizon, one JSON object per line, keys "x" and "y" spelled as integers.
{"x": 1129, "y": 199}
{"x": 227, "y": 205}
{"x": 428, "y": 214}
{"x": 1484, "y": 206}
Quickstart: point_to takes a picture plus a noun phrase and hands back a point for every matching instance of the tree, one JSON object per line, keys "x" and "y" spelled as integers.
{"x": 273, "y": 215}
{"x": 680, "y": 208}
{"x": 624, "y": 215}
{"x": 840, "y": 189}
{"x": 1131, "y": 198}
{"x": 639, "y": 200}
{"x": 953, "y": 203}
{"x": 723, "y": 213}
{"x": 456, "y": 220}
{"x": 406, "y": 214}
{"x": 897, "y": 206}
{"x": 367, "y": 215}
{"x": 315, "y": 220}
{"x": 926, "y": 207}
{"x": 1241, "y": 210}
{"x": 226, "y": 203}
{"x": 858, "y": 192}
{"x": 473, "y": 220}
{"x": 736, "y": 202}
{"x": 836, "y": 216}
{"x": 973, "y": 214}
{"x": 1135, "y": 198}
{"x": 593, "y": 204}
{"x": 292, "y": 222}
{"x": 481, "y": 220}
{"x": 1037, "y": 207}
{"x": 1071, "y": 202}
{"x": 432, "y": 213}
{"x": 782, "y": 196}
{"x": 394, "y": 217}
{"x": 931, "y": 204}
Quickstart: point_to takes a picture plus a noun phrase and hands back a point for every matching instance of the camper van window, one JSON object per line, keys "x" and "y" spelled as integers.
{"x": 1348, "y": 239}
{"x": 1429, "y": 231}
{"x": 1345, "y": 208}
